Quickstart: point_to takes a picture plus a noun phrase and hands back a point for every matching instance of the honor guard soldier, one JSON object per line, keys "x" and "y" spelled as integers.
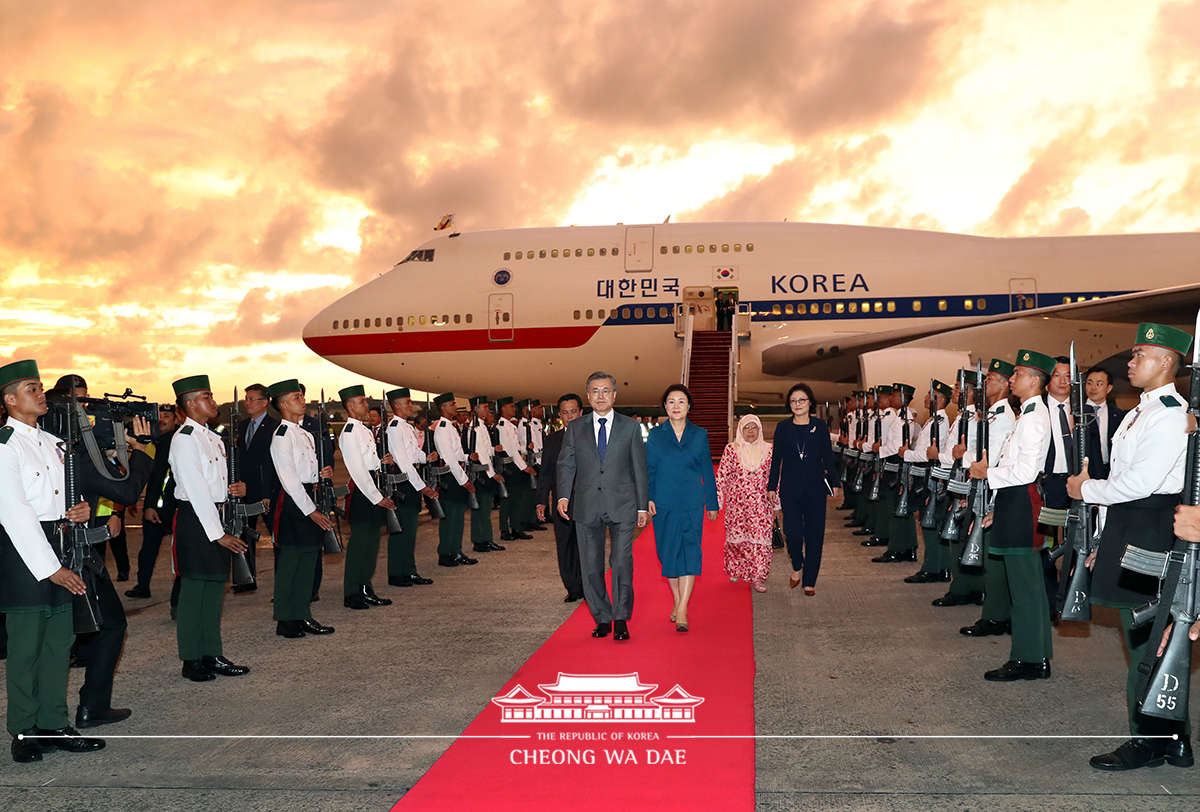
{"x": 959, "y": 451}
{"x": 902, "y": 531}
{"x": 405, "y": 447}
{"x": 514, "y": 470}
{"x": 1013, "y": 480}
{"x": 456, "y": 487}
{"x": 971, "y": 586}
{"x": 879, "y": 519}
{"x": 935, "y": 567}
{"x": 859, "y": 441}
{"x": 526, "y": 509}
{"x": 298, "y": 525}
{"x": 1141, "y": 492}
{"x": 537, "y": 440}
{"x": 365, "y": 505}
{"x": 483, "y": 474}
{"x": 203, "y": 550}
{"x": 35, "y": 589}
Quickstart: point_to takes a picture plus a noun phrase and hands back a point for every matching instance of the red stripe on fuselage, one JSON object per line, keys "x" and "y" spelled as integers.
{"x": 528, "y": 338}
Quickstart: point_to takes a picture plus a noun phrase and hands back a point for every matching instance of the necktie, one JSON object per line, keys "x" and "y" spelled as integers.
{"x": 250, "y": 431}
{"x": 602, "y": 440}
{"x": 1065, "y": 426}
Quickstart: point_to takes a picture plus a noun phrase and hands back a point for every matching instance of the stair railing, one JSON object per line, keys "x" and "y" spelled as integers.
{"x": 688, "y": 330}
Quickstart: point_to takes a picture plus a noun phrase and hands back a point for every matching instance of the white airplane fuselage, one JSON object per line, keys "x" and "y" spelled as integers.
{"x": 534, "y": 311}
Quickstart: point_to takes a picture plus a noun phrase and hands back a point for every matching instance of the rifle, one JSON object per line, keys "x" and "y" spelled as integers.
{"x": 432, "y": 474}
{"x": 906, "y": 473}
{"x": 959, "y": 483}
{"x": 76, "y": 539}
{"x": 1074, "y": 594}
{"x": 327, "y": 494}
{"x": 388, "y": 477}
{"x": 876, "y": 459}
{"x": 234, "y": 511}
{"x": 864, "y": 456}
{"x": 935, "y": 475}
{"x": 980, "y": 494}
{"x": 1164, "y": 682}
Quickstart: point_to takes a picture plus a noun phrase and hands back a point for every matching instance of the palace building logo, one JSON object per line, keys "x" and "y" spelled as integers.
{"x": 597, "y": 698}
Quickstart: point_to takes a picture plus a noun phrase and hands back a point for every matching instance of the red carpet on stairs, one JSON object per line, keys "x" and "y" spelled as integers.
{"x": 603, "y": 718}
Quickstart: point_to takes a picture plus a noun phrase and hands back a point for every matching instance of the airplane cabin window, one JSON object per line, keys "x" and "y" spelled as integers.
{"x": 356, "y": 322}
{"x": 662, "y": 249}
{"x": 662, "y": 312}
{"x": 879, "y": 307}
{"x": 577, "y": 315}
{"x": 422, "y": 321}
{"x": 968, "y": 305}
{"x": 699, "y": 249}
{"x": 520, "y": 254}
{"x": 457, "y": 318}
{"x": 506, "y": 317}
{"x": 470, "y": 318}
{"x": 775, "y": 310}
{"x": 687, "y": 249}
{"x": 601, "y": 314}
{"x": 712, "y": 249}
{"x": 749, "y": 246}
{"x": 801, "y": 309}
{"x": 789, "y": 309}
{"x": 589, "y": 314}
{"x": 614, "y": 252}
{"x": 566, "y": 252}
{"x": 637, "y": 312}
{"x": 446, "y": 319}
{"x": 724, "y": 249}
{"x": 542, "y": 254}
{"x": 982, "y": 303}
{"x": 853, "y": 307}
{"x": 840, "y": 307}
{"x": 529, "y": 255}
{"x": 578, "y": 252}
{"x": 941, "y": 304}
{"x": 674, "y": 249}
{"x": 591, "y": 252}
{"x": 389, "y": 321}
{"x": 507, "y": 256}
{"x": 891, "y": 307}
{"x": 825, "y": 308}
{"x": 916, "y": 305}
{"x": 603, "y": 252}
{"x": 624, "y": 312}
{"x": 554, "y": 253}
{"x": 335, "y": 324}
{"x": 737, "y": 248}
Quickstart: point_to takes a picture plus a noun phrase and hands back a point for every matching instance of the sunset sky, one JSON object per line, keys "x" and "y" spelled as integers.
{"x": 185, "y": 183}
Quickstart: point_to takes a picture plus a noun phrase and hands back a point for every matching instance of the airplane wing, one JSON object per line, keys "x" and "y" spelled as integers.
{"x": 1105, "y": 323}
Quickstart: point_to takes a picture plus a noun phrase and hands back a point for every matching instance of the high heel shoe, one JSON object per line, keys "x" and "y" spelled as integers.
{"x": 794, "y": 580}
{"x": 810, "y": 591}
{"x": 681, "y": 627}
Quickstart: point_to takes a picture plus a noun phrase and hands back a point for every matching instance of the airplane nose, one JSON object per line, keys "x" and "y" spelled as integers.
{"x": 312, "y": 330}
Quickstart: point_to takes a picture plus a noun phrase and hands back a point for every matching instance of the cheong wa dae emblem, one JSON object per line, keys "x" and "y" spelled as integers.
{"x": 597, "y": 698}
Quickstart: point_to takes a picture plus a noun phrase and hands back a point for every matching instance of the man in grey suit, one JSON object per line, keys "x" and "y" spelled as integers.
{"x": 603, "y": 462}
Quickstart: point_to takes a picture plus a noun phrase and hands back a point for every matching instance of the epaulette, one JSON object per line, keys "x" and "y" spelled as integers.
{"x": 1170, "y": 401}
{"x": 1029, "y": 408}
{"x": 282, "y": 430}
{"x": 1000, "y": 409}
{"x": 349, "y": 426}
{"x": 186, "y": 430}
{"x": 5, "y": 433}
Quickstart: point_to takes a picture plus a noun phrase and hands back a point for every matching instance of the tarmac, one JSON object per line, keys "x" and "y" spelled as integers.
{"x": 868, "y": 665}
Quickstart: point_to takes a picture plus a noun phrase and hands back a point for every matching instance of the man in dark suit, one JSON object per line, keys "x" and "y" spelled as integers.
{"x": 1098, "y": 386}
{"x": 569, "y": 408}
{"x": 602, "y": 484}
{"x": 254, "y": 447}
{"x": 158, "y": 505}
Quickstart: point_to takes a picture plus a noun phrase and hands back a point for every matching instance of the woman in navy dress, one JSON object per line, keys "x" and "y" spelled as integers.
{"x": 804, "y": 475}
{"x": 682, "y": 486}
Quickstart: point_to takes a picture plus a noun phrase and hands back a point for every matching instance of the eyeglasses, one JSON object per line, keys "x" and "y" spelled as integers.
{"x": 799, "y": 400}
{"x": 256, "y": 400}
{"x": 605, "y": 391}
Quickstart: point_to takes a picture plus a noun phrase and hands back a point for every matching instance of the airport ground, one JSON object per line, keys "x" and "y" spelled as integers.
{"x": 868, "y": 656}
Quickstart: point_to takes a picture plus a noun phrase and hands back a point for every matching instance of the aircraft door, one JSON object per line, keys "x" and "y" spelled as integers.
{"x": 1022, "y": 294}
{"x": 699, "y": 301}
{"x": 500, "y": 317}
{"x": 639, "y": 248}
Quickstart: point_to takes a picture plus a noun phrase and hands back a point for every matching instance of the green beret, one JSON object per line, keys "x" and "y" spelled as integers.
{"x": 358, "y": 390}
{"x": 1001, "y": 366}
{"x": 1029, "y": 358}
{"x": 943, "y": 389}
{"x": 283, "y": 387}
{"x": 396, "y": 394}
{"x": 19, "y": 371}
{"x": 196, "y": 383}
{"x": 503, "y": 402}
{"x": 1160, "y": 335}
{"x": 905, "y": 388}
{"x": 970, "y": 377}
{"x": 445, "y": 397}
{"x": 478, "y": 401}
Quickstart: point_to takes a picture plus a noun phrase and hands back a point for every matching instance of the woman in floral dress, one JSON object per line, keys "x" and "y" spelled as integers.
{"x": 749, "y": 514}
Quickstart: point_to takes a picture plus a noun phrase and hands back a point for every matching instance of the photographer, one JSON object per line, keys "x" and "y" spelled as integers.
{"x": 101, "y": 650}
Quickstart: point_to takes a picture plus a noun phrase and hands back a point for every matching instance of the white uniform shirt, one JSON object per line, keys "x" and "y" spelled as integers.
{"x": 1023, "y": 455}
{"x": 32, "y": 490}
{"x": 889, "y": 417}
{"x": 537, "y": 436}
{"x": 449, "y": 447}
{"x": 893, "y": 437}
{"x": 918, "y": 449}
{"x": 1148, "y": 451}
{"x": 483, "y": 447}
{"x": 405, "y": 447}
{"x": 201, "y": 474}
{"x": 361, "y": 457}
{"x": 1003, "y": 421}
{"x": 510, "y": 442}
{"x": 946, "y": 457}
{"x": 294, "y": 453}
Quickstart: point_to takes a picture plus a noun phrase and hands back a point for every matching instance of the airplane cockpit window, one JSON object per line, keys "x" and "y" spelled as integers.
{"x": 420, "y": 255}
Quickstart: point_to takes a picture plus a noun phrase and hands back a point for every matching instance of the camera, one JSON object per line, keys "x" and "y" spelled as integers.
{"x": 108, "y": 415}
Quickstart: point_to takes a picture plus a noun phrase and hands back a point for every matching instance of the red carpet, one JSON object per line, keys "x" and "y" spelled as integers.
{"x": 605, "y": 754}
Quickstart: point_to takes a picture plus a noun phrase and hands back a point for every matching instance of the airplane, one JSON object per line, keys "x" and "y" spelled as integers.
{"x": 534, "y": 311}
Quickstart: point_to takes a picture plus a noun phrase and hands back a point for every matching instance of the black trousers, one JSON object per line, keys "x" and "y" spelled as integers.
{"x": 568, "y": 555}
{"x": 152, "y": 539}
{"x": 102, "y": 649}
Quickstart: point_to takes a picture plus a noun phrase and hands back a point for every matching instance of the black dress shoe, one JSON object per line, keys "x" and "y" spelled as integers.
{"x": 313, "y": 627}
{"x": 122, "y": 575}
{"x": 399, "y": 580}
{"x": 1132, "y": 755}
{"x": 873, "y": 542}
{"x": 77, "y": 662}
{"x": 355, "y": 602}
{"x": 315, "y": 597}
{"x": 222, "y": 667}
{"x": 488, "y": 547}
{"x": 1014, "y": 670}
{"x": 908, "y": 555}
{"x": 944, "y": 577}
{"x": 922, "y": 577}
{"x": 536, "y": 527}
{"x": 368, "y": 595}
{"x": 196, "y": 672}
{"x": 952, "y": 599}
{"x": 86, "y": 717}
{"x": 26, "y": 750}
{"x": 602, "y": 630}
{"x": 138, "y": 591}
{"x": 856, "y": 523}
{"x": 240, "y": 588}
{"x": 68, "y": 739}
{"x": 290, "y": 629}
{"x": 419, "y": 581}
{"x": 890, "y": 557}
{"x": 447, "y": 561}
{"x": 865, "y": 531}
{"x": 506, "y": 536}
{"x": 521, "y": 534}
{"x": 462, "y": 559}
{"x": 845, "y": 507}
{"x": 571, "y": 597}
{"x": 620, "y": 630}
{"x": 986, "y": 628}
{"x": 1179, "y": 752}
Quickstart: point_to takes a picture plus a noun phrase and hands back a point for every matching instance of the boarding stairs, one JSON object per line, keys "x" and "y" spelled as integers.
{"x": 710, "y": 372}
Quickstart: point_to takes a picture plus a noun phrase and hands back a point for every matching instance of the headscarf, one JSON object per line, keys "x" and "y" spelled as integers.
{"x": 752, "y": 455}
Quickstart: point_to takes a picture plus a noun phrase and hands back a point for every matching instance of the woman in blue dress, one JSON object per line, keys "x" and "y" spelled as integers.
{"x": 682, "y": 487}
{"x": 804, "y": 475}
